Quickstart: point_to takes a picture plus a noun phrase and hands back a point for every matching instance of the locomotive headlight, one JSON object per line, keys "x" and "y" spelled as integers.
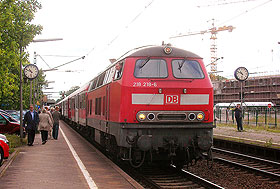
{"x": 191, "y": 116}
{"x": 167, "y": 50}
{"x": 141, "y": 117}
{"x": 151, "y": 116}
{"x": 200, "y": 116}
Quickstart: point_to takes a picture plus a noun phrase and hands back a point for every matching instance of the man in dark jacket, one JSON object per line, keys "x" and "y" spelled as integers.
{"x": 56, "y": 117}
{"x": 238, "y": 117}
{"x": 31, "y": 118}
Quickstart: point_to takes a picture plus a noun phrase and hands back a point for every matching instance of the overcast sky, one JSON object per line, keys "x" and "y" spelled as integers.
{"x": 106, "y": 29}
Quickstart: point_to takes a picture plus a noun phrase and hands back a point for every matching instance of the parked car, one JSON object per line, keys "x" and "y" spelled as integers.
{"x": 15, "y": 114}
{"x": 8, "y": 124}
{"x": 3, "y": 111}
{"x": 4, "y": 148}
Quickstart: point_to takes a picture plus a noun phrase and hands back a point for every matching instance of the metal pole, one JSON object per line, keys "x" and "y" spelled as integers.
{"x": 30, "y": 95}
{"x": 241, "y": 95}
{"x": 248, "y": 116}
{"x": 20, "y": 86}
{"x": 241, "y": 100}
{"x": 34, "y": 84}
{"x": 265, "y": 116}
{"x": 275, "y": 117}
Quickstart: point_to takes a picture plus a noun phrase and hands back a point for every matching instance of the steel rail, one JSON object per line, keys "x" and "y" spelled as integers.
{"x": 265, "y": 173}
{"x": 199, "y": 180}
{"x": 247, "y": 156}
{"x": 248, "y": 167}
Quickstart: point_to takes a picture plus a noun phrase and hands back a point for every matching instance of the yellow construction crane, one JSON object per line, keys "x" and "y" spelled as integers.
{"x": 213, "y": 45}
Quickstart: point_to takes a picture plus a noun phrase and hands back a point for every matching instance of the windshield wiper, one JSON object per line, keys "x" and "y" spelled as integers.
{"x": 145, "y": 62}
{"x": 181, "y": 65}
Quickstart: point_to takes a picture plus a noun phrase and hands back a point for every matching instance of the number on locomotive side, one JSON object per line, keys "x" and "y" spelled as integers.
{"x": 144, "y": 84}
{"x": 136, "y": 84}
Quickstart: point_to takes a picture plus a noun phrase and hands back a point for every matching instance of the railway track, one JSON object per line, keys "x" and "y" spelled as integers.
{"x": 263, "y": 167}
{"x": 170, "y": 177}
{"x": 258, "y": 150}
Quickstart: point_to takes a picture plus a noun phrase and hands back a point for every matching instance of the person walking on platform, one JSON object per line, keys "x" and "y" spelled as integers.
{"x": 56, "y": 117}
{"x": 238, "y": 117}
{"x": 31, "y": 118}
{"x": 50, "y": 114}
{"x": 45, "y": 124}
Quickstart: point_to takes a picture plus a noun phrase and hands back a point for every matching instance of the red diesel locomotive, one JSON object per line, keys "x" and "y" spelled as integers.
{"x": 154, "y": 104}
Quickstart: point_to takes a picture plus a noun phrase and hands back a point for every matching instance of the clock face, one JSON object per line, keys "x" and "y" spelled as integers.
{"x": 31, "y": 71}
{"x": 241, "y": 74}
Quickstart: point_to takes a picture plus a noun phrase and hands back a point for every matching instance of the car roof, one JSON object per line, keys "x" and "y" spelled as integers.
{"x": 4, "y": 111}
{"x": 9, "y": 115}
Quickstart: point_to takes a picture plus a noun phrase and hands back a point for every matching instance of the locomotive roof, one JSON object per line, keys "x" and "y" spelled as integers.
{"x": 159, "y": 51}
{"x": 150, "y": 51}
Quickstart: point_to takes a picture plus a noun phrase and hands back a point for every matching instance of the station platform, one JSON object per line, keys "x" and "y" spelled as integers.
{"x": 261, "y": 137}
{"x": 69, "y": 162}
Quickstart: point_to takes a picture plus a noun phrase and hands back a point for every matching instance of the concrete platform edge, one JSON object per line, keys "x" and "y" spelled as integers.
{"x": 246, "y": 140}
{"x": 134, "y": 183}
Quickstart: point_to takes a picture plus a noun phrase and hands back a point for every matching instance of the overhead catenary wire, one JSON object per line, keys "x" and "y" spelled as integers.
{"x": 68, "y": 62}
{"x": 133, "y": 20}
{"x": 62, "y": 56}
{"x": 244, "y": 12}
{"x": 125, "y": 28}
{"x": 224, "y": 2}
{"x": 55, "y": 68}
{"x": 44, "y": 61}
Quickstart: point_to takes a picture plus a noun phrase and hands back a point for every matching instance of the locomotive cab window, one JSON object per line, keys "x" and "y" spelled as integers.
{"x": 187, "y": 69}
{"x": 93, "y": 84}
{"x": 150, "y": 68}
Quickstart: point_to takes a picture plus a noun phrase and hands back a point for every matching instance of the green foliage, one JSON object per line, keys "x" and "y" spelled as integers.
{"x": 16, "y": 32}
{"x": 15, "y": 141}
{"x": 67, "y": 93}
{"x": 221, "y": 78}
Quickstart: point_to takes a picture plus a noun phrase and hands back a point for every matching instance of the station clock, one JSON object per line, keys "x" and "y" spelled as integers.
{"x": 241, "y": 74}
{"x": 31, "y": 71}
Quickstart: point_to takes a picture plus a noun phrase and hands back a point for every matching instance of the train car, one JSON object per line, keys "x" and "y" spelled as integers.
{"x": 158, "y": 101}
{"x": 63, "y": 105}
{"x": 245, "y": 104}
{"x": 77, "y": 105}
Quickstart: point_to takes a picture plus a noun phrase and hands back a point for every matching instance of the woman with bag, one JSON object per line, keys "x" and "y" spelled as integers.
{"x": 45, "y": 124}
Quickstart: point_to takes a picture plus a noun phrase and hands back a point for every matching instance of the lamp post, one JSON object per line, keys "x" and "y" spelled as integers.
{"x": 20, "y": 88}
{"x": 241, "y": 74}
{"x": 21, "y": 105}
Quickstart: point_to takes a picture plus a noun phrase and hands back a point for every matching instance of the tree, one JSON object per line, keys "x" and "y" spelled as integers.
{"x": 16, "y": 32}
{"x": 67, "y": 93}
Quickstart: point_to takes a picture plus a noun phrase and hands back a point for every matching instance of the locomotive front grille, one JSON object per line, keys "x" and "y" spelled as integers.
{"x": 171, "y": 117}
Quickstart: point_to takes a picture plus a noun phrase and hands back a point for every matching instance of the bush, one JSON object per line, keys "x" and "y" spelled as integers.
{"x": 15, "y": 141}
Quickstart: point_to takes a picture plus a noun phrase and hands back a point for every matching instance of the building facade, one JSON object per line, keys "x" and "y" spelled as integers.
{"x": 255, "y": 89}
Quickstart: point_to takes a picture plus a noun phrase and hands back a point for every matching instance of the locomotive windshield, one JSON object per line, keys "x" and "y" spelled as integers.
{"x": 187, "y": 69}
{"x": 150, "y": 68}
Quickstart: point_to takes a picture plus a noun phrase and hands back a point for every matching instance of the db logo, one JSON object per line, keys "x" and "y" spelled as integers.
{"x": 172, "y": 99}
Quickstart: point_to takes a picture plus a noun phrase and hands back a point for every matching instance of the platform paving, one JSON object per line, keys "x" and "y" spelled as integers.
{"x": 53, "y": 166}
